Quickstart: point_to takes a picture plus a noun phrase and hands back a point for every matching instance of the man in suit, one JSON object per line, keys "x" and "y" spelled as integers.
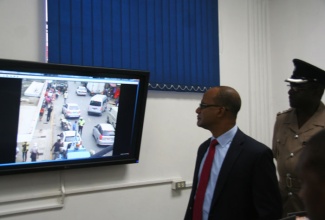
{"x": 242, "y": 182}
{"x": 295, "y": 126}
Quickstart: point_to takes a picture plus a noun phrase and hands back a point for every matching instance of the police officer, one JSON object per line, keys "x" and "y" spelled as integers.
{"x": 81, "y": 124}
{"x": 25, "y": 150}
{"x": 295, "y": 126}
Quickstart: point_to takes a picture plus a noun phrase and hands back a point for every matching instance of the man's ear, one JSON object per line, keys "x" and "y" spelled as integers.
{"x": 221, "y": 111}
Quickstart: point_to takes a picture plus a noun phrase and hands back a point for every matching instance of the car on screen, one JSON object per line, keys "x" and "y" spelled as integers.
{"x": 76, "y": 153}
{"x": 104, "y": 134}
{"x": 81, "y": 90}
{"x": 61, "y": 85}
{"x": 70, "y": 140}
{"x": 71, "y": 110}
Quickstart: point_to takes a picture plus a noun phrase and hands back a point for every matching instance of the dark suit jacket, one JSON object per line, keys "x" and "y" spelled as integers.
{"x": 247, "y": 187}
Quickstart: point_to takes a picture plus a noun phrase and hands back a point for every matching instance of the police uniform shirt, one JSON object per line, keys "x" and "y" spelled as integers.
{"x": 288, "y": 142}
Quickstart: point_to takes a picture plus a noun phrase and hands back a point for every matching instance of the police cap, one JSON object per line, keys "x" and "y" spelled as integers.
{"x": 305, "y": 72}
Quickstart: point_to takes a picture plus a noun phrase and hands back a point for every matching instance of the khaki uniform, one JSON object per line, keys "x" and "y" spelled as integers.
{"x": 288, "y": 141}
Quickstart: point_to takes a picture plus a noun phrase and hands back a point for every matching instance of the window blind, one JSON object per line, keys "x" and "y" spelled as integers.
{"x": 176, "y": 40}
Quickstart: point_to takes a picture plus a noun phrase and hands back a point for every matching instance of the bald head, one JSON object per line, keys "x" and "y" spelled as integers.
{"x": 218, "y": 110}
{"x": 227, "y": 97}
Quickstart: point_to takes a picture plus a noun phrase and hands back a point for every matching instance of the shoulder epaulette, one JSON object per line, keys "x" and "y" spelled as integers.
{"x": 283, "y": 112}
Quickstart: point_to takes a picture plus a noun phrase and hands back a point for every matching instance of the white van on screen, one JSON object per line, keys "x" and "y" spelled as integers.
{"x": 97, "y": 104}
{"x": 112, "y": 115}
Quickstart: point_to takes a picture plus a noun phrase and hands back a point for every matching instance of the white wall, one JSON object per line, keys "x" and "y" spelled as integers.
{"x": 22, "y": 34}
{"x": 258, "y": 39}
{"x": 297, "y": 31}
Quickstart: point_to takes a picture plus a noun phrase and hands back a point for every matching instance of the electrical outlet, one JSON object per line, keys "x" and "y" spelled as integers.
{"x": 176, "y": 185}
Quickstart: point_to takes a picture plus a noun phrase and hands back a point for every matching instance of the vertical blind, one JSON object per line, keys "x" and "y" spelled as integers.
{"x": 176, "y": 40}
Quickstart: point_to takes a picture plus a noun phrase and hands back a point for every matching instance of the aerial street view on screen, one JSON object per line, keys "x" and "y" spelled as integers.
{"x": 61, "y": 117}
{"x": 64, "y": 119}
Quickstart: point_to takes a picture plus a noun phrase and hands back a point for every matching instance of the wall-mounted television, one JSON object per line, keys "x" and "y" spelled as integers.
{"x": 56, "y": 116}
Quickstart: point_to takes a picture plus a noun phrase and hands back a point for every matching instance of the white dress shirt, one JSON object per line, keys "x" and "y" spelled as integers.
{"x": 224, "y": 141}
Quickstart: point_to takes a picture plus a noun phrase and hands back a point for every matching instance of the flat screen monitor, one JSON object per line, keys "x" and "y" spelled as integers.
{"x": 56, "y": 116}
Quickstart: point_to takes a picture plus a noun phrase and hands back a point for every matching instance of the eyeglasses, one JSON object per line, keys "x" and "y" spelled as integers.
{"x": 203, "y": 106}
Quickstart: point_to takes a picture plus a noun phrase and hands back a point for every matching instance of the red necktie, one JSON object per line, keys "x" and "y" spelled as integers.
{"x": 203, "y": 182}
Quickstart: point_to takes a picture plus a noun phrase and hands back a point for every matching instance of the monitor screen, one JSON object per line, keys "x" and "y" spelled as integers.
{"x": 58, "y": 116}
